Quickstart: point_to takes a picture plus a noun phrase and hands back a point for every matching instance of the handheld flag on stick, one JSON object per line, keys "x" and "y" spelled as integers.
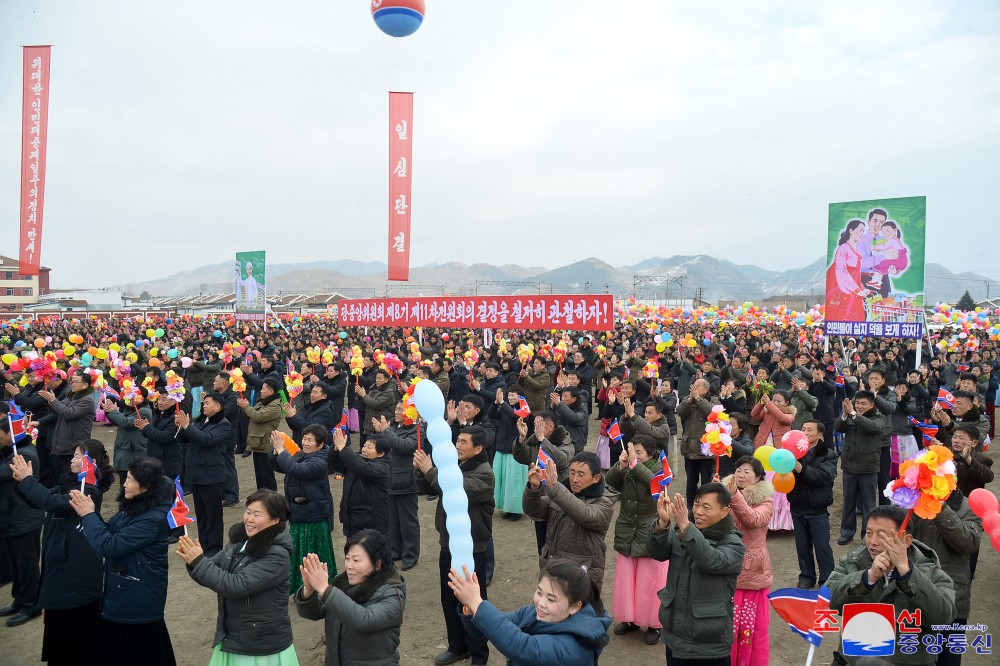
{"x": 614, "y": 431}
{"x": 523, "y": 411}
{"x": 16, "y": 424}
{"x": 804, "y": 610}
{"x": 929, "y": 430}
{"x": 946, "y": 398}
{"x": 178, "y": 516}
{"x": 343, "y": 424}
{"x": 659, "y": 483}
{"x": 88, "y": 472}
{"x": 543, "y": 462}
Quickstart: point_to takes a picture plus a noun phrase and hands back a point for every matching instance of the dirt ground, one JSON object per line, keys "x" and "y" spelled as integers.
{"x": 191, "y": 609}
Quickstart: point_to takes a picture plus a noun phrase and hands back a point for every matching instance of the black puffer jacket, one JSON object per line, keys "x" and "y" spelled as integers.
{"x": 205, "y": 450}
{"x": 161, "y": 442}
{"x": 17, "y": 517}
{"x": 71, "y": 570}
{"x": 402, "y": 444}
{"x": 365, "y": 502}
{"x": 813, "y": 490}
{"x": 315, "y": 413}
{"x": 252, "y": 584}
{"x": 307, "y": 488}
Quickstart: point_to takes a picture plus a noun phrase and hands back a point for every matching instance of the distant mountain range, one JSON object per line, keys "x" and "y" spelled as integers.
{"x": 709, "y": 278}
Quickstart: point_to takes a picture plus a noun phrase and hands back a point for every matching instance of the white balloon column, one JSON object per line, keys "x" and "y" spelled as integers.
{"x": 430, "y": 405}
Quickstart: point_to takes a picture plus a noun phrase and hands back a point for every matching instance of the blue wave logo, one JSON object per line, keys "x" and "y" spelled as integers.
{"x": 859, "y": 649}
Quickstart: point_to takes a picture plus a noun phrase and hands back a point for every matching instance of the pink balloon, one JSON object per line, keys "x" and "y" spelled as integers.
{"x": 185, "y": 362}
{"x": 983, "y": 502}
{"x": 991, "y": 522}
{"x": 796, "y": 442}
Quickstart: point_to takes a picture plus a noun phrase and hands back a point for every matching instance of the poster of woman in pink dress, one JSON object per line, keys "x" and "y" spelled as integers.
{"x": 845, "y": 292}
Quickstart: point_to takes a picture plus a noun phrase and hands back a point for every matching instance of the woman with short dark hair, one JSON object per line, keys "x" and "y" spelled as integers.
{"x": 362, "y": 608}
{"x": 250, "y": 577}
{"x": 134, "y": 547}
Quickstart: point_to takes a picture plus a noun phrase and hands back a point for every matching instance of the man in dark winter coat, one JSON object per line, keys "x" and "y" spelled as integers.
{"x": 161, "y": 434}
{"x": 221, "y": 385}
{"x": 317, "y": 411}
{"x": 572, "y": 415}
{"x": 864, "y": 428}
{"x": 73, "y": 417}
{"x": 404, "y": 523}
{"x": 470, "y": 411}
{"x": 20, "y": 531}
{"x": 205, "y": 461}
{"x": 364, "y": 503}
{"x": 814, "y": 474}
{"x": 478, "y": 483}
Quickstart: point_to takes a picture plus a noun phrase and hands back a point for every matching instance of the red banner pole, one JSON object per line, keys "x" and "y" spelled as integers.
{"x": 400, "y": 183}
{"x": 34, "y": 139}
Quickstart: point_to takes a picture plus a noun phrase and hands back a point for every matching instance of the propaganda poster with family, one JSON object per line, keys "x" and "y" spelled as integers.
{"x": 875, "y": 267}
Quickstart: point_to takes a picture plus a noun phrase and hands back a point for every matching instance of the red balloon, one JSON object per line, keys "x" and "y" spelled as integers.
{"x": 445, "y": 337}
{"x": 991, "y": 522}
{"x": 796, "y": 442}
{"x": 15, "y": 366}
{"x": 983, "y": 502}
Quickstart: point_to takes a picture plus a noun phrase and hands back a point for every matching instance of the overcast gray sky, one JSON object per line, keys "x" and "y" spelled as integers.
{"x": 544, "y": 131}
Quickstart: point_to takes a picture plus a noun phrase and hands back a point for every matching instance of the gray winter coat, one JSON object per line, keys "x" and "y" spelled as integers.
{"x": 574, "y": 420}
{"x": 557, "y": 446}
{"x": 130, "y": 443}
{"x": 362, "y": 622}
{"x": 402, "y": 444}
{"x": 659, "y": 431}
{"x": 954, "y": 535}
{"x": 251, "y": 578}
{"x": 74, "y": 418}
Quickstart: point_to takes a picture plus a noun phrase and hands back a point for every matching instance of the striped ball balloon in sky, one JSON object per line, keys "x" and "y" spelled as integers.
{"x": 398, "y": 18}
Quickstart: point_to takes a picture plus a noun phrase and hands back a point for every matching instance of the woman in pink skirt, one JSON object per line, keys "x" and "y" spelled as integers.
{"x": 751, "y": 508}
{"x": 637, "y": 578}
{"x": 776, "y": 414}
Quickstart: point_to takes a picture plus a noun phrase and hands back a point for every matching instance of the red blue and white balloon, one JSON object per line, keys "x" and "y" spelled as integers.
{"x": 398, "y": 18}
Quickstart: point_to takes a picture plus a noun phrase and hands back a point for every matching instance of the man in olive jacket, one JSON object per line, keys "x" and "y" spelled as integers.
{"x": 577, "y": 515}
{"x": 478, "y": 482}
{"x": 652, "y": 424}
{"x": 705, "y": 551}
{"x": 887, "y": 568}
{"x": 864, "y": 428}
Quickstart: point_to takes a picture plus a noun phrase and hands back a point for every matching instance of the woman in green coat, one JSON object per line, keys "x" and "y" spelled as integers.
{"x": 637, "y": 577}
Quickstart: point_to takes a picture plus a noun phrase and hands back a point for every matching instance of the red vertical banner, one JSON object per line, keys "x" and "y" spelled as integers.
{"x": 400, "y": 181}
{"x": 34, "y": 138}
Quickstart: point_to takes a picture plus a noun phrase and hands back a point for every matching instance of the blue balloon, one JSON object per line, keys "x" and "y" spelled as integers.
{"x": 342, "y": 335}
{"x": 19, "y": 344}
{"x": 430, "y": 404}
{"x": 782, "y": 461}
{"x": 86, "y": 358}
{"x": 217, "y": 334}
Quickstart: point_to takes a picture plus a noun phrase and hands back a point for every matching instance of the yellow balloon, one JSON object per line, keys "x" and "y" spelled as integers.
{"x": 763, "y": 454}
{"x": 131, "y": 357}
{"x": 69, "y": 350}
{"x": 154, "y": 351}
{"x": 661, "y": 347}
{"x": 102, "y": 353}
{"x": 150, "y": 333}
{"x": 114, "y": 346}
{"x": 8, "y": 358}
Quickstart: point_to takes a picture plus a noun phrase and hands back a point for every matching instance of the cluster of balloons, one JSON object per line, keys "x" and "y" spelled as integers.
{"x": 781, "y": 461}
{"x": 985, "y": 505}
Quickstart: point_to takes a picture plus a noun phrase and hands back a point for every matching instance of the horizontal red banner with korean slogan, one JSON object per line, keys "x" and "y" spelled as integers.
{"x": 569, "y": 312}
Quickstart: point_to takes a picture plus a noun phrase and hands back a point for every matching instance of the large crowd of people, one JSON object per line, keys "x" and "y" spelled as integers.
{"x": 314, "y": 405}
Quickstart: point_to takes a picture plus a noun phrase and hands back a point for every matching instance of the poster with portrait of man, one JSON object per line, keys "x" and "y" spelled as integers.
{"x": 875, "y": 268}
{"x": 250, "y": 286}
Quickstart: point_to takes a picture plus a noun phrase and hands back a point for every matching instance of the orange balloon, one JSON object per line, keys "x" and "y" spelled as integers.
{"x": 39, "y": 342}
{"x": 783, "y": 483}
{"x": 92, "y": 351}
{"x": 154, "y": 362}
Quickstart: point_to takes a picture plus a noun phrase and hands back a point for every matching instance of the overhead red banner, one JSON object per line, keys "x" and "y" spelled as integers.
{"x": 34, "y": 138}
{"x": 400, "y": 181}
{"x": 571, "y": 312}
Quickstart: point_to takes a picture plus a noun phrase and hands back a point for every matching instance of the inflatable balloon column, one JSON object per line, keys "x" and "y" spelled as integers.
{"x": 454, "y": 501}
{"x": 398, "y": 18}
{"x": 985, "y": 505}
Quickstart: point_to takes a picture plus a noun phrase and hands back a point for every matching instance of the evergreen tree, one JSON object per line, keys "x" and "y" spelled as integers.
{"x": 966, "y": 303}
